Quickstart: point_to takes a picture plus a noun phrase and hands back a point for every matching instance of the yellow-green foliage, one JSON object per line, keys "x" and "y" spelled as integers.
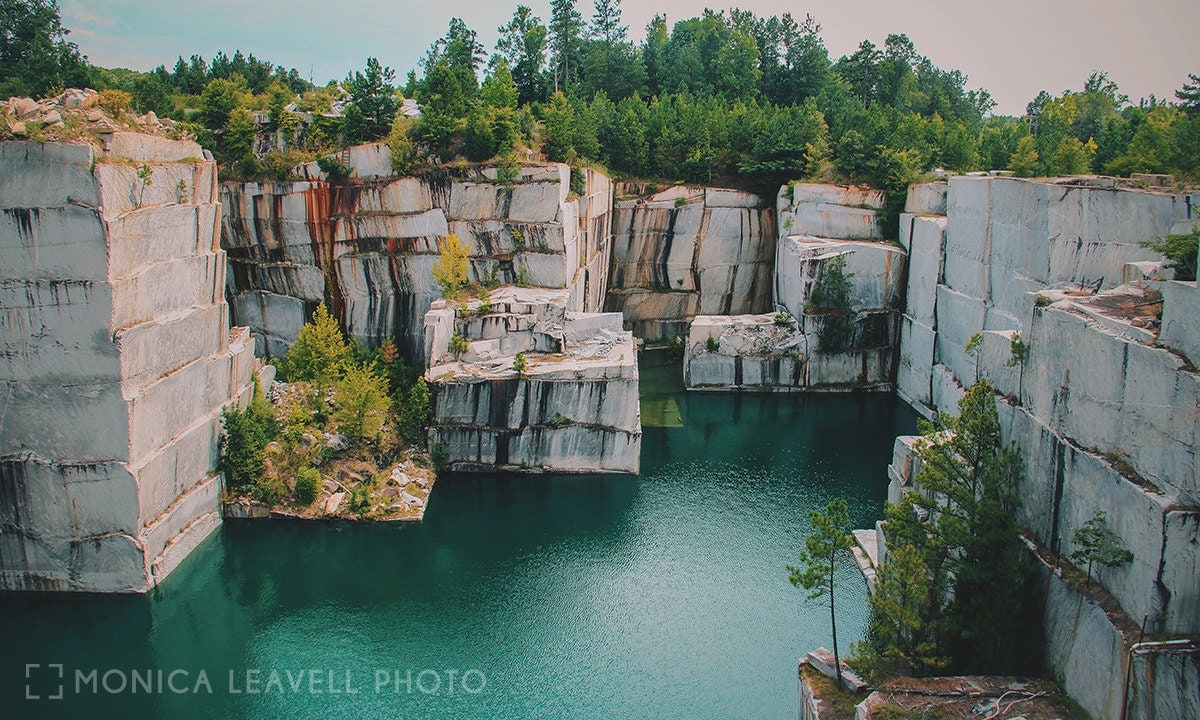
{"x": 450, "y": 270}
{"x": 361, "y": 404}
{"x": 403, "y": 149}
{"x": 320, "y": 354}
{"x": 114, "y": 102}
{"x": 1024, "y": 162}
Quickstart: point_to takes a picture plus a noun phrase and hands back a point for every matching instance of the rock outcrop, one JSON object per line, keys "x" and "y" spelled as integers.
{"x": 572, "y": 407}
{"x": 1104, "y": 406}
{"x": 117, "y": 360}
{"x": 814, "y": 343}
{"x": 366, "y": 246}
{"x": 688, "y": 251}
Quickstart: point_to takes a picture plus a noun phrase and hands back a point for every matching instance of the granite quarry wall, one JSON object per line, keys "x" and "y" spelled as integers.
{"x": 1105, "y": 403}
{"x": 688, "y": 251}
{"x": 796, "y": 350}
{"x": 574, "y": 408}
{"x": 366, "y": 245}
{"x": 117, "y": 360}
{"x": 118, "y": 354}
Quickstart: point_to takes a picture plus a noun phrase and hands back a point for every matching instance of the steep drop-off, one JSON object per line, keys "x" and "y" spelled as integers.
{"x": 117, "y": 358}
{"x": 1104, "y": 405}
{"x": 688, "y": 251}
{"x": 367, "y": 245}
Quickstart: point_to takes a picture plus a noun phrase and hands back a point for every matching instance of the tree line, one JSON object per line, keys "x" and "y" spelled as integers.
{"x": 730, "y": 98}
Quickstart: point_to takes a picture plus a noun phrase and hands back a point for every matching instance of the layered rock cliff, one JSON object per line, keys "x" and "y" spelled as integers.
{"x": 117, "y": 360}
{"x": 523, "y": 383}
{"x": 366, "y": 245}
{"x": 688, "y": 251}
{"x": 1104, "y": 406}
{"x": 816, "y": 342}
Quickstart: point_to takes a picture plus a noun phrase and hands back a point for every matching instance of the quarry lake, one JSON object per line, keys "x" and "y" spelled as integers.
{"x": 657, "y": 596}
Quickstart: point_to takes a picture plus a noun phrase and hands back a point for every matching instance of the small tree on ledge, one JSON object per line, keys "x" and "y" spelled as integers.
{"x": 450, "y": 270}
{"x": 829, "y": 542}
{"x": 1098, "y": 545}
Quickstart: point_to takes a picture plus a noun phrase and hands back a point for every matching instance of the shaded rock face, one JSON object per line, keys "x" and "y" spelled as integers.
{"x": 117, "y": 360}
{"x": 574, "y": 408}
{"x": 367, "y": 248}
{"x": 689, "y": 251}
{"x": 1105, "y": 409}
{"x": 812, "y": 346}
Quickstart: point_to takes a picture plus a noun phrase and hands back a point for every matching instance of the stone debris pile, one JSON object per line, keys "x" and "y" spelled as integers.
{"x": 78, "y": 116}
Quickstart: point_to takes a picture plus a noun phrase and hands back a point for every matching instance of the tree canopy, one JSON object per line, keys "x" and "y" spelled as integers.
{"x": 723, "y": 97}
{"x": 36, "y": 59}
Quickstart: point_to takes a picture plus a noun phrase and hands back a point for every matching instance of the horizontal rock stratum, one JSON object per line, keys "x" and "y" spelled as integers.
{"x": 117, "y": 358}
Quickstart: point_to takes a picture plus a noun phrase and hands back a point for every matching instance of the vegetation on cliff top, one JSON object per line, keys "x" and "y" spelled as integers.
{"x": 722, "y": 98}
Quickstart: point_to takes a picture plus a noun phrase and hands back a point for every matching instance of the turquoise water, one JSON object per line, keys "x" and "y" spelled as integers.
{"x": 659, "y": 596}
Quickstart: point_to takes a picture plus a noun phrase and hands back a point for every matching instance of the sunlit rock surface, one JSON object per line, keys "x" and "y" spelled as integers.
{"x": 688, "y": 251}
{"x": 117, "y": 360}
{"x": 367, "y": 246}
{"x": 574, "y": 408}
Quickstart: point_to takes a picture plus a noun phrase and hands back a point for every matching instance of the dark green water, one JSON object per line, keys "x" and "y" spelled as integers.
{"x": 659, "y": 596}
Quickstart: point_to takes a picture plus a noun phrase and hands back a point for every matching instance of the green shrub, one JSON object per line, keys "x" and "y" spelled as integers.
{"x": 333, "y": 167}
{"x": 712, "y": 343}
{"x": 308, "y": 484}
{"x": 830, "y": 296}
{"x": 402, "y": 148}
{"x": 360, "y": 499}
{"x": 244, "y": 435}
{"x": 320, "y": 354}
{"x": 1180, "y": 251}
{"x": 268, "y": 490}
{"x": 457, "y": 345}
{"x": 414, "y": 415}
{"x": 520, "y": 365}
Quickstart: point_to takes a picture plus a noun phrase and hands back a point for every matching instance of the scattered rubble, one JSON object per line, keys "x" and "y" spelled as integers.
{"x": 80, "y": 117}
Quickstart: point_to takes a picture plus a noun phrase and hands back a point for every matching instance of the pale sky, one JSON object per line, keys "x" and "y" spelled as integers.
{"x": 1014, "y": 48}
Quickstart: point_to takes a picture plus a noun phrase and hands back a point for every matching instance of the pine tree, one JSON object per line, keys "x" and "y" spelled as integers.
{"x": 374, "y": 102}
{"x": 566, "y": 28}
{"x": 415, "y": 413}
{"x": 606, "y": 22}
{"x": 320, "y": 354}
{"x": 829, "y": 544}
{"x": 522, "y": 43}
{"x": 361, "y": 404}
{"x": 979, "y": 609}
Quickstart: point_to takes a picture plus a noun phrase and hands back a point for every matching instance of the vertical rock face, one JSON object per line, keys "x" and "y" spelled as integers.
{"x": 689, "y": 251}
{"x": 1105, "y": 408}
{"x": 367, "y": 246}
{"x": 117, "y": 360}
{"x": 572, "y": 408}
{"x": 813, "y": 344}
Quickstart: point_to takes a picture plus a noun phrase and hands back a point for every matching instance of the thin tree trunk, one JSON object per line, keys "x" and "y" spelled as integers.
{"x": 837, "y": 660}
